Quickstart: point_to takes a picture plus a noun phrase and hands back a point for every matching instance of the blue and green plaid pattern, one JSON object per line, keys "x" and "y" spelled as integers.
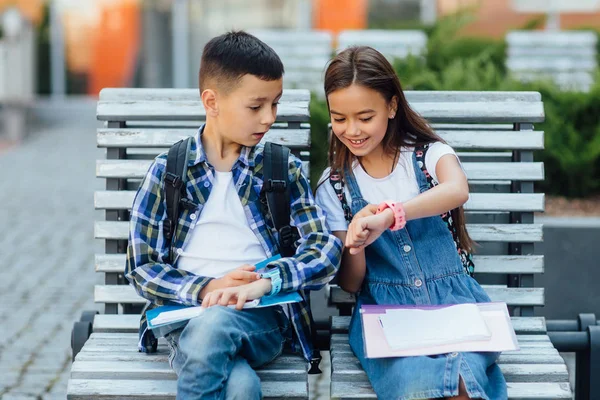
{"x": 316, "y": 261}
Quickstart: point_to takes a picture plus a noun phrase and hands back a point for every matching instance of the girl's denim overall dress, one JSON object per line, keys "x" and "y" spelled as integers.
{"x": 420, "y": 265}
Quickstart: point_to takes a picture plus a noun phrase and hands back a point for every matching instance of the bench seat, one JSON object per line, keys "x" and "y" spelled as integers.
{"x": 537, "y": 371}
{"x": 112, "y": 358}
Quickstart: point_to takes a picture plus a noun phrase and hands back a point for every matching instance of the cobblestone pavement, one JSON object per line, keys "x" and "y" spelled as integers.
{"x": 46, "y": 247}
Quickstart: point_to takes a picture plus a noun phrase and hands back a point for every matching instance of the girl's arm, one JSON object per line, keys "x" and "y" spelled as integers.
{"x": 452, "y": 191}
{"x": 353, "y": 267}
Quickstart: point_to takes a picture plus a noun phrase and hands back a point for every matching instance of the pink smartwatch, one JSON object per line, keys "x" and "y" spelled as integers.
{"x": 399, "y": 214}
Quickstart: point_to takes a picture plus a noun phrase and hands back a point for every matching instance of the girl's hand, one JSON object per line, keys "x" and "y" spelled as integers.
{"x": 364, "y": 231}
{"x": 237, "y": 295}
{"x": 368, "y": 210}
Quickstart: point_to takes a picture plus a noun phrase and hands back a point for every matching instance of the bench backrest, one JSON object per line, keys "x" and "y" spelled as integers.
{"x": 568, "y": 58}
{"x": 140, "y": 124}
{"x": 304, "y": 55}
{"x": 494, "y": 131}
{"x": 391, "y": 43}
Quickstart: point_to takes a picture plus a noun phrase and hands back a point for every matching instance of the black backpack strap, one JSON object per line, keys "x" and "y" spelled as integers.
{"x": 277, "y": 190}
{"x": 276, "y": 186}
{"x": 174, "y": 188}
{"x": 337, "y": 183}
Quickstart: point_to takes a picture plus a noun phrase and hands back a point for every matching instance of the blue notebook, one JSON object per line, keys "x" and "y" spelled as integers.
{"x": 164, "y": 319}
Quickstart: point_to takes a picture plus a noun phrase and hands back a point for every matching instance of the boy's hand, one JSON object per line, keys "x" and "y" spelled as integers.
{"x": 240, "y": 276}
{"x": 237, "y": 295}
{"x": 364, "y": 231}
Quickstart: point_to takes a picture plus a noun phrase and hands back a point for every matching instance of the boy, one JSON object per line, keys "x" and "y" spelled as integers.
{"x": 219, "y": 242}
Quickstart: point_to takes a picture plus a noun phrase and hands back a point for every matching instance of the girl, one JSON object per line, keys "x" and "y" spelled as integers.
{"x": 387, "y": 194}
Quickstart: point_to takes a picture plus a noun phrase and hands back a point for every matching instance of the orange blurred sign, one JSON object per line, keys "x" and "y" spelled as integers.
{"x": 337, "y": 15}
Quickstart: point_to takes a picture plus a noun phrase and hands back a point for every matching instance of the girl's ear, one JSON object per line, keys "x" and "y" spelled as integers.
{"x": 393, "y": 107}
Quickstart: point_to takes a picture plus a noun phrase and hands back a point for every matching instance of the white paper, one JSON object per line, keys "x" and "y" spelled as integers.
{"x": 415, "y": 328}
{"x": 189, "y": 313}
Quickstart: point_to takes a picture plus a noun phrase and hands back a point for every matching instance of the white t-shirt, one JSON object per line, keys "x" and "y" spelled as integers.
{"x": 401, "y": 185}
{"x": 221, "y": 239}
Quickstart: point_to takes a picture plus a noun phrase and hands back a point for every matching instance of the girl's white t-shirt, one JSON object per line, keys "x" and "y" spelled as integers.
{"x": 401, "y": 185}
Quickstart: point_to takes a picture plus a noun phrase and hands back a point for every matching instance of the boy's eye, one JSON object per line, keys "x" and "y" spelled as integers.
{"x": 275, "y": 104}
{"x": 256, "y": 108}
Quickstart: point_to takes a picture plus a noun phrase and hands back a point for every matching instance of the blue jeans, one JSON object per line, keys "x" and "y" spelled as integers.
{"x": 214, "y": 354}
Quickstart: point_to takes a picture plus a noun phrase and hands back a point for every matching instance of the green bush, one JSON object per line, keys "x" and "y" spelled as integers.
{"x": 572, "y": 127}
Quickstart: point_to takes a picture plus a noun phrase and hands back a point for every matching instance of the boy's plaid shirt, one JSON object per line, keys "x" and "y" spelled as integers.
{"x": 316, "y": 261}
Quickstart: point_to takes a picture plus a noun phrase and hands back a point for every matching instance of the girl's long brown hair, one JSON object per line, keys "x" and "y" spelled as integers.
{"x": 365, "y": 66}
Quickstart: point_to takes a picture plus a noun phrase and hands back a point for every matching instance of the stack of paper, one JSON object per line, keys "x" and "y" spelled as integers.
{"x": 414, "y": 328}
{"x": 403, "y": 331}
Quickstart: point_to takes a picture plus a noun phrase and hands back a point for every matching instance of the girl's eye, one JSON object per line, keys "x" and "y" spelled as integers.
{"x": 339, "y": 119}
{"x": 255, "y": 108}
{"x": 366, "y": 119}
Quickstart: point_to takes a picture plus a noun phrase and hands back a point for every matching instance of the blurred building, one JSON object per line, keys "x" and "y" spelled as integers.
{"x": 494, "y": 18}
{"x": 158, "y": 43}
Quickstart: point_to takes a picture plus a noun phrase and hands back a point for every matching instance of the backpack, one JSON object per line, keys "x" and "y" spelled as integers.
{"x": 276, "y": 195}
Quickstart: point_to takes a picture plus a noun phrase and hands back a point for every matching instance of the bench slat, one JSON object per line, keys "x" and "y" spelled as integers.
{"x": 139, "y": 110}
{"x": 163, "y": 138}
{"x": 115, "y": 263}
{"x": 476, "y": 112}
{"x": 500, "y": 140}
{"x": 345, "y": 370}
{"x": 526, "y": 233}
{"x": 344, "y": 349}
{"x": 521, "y": 325}
{"x": 300, "y": 138}
{"x": 162, "y": 94}
{"x": 530, "y": 171}
{"x": 511, "y": 296}
{"x": 117, "y": 323}
{"x": 117, "y": 389}
{"x": 292, "y": 95}
{"x": 514, "y": 202}
{"x": 137, "y": 169}
{"x": 113, "y": 369}
{"x": 516, "y": 391}
{"x": 114, "y": 294}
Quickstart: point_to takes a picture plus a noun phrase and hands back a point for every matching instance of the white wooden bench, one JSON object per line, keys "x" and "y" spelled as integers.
{"x": 567, "y": 58}
{"x": 391, "y": 43}
{"x": 501, "y": 221}
{"x": 141, "y": 123}
{"x": 304, "y": 55}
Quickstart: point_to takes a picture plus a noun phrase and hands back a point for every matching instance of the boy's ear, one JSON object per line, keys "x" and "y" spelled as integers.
{"x": 393, "y": 107}
{"x": 209, "y": 100}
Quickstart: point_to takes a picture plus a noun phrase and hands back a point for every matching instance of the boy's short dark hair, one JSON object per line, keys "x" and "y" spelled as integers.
{"x": 228, "y": 57}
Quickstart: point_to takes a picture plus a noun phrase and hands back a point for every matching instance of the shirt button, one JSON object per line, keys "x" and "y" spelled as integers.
{"x": 193, "y": 217}
{"x": 418, "y": 283}
{"x": 407, "y": 248}
{"x": 206, "y": 184}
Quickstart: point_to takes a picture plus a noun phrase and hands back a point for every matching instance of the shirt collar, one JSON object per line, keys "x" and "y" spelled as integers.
{"x": 198, "y": 154}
